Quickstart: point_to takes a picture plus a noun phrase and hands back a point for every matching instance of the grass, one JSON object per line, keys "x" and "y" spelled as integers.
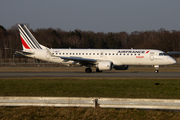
{"x": 92, "y": 87}
{"x": 30, "y": 113}
{"x": 88, "y": 87}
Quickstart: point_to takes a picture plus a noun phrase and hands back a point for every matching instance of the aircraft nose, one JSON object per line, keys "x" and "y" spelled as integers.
{"x": 173, "y": 61}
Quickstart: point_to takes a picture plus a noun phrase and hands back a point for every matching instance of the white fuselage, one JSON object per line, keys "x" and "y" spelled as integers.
{"x": 102, "y": 59}
{"x": 117, "y": 56}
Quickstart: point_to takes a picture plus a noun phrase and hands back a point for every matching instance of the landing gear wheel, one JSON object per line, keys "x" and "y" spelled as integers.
{"x": 156, "y": 68}
{"x": 99, "y": 71}
{"x": 88, "y": 70}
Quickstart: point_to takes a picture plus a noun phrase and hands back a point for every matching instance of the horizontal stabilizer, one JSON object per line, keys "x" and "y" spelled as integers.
{"x": 24, "y": 53}
{"x": 11, "y": 49}
{"x": 20, "y": 52}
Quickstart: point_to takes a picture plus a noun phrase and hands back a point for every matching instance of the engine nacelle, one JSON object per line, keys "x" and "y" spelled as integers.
{"x": 121, "y": 67}
{"x": 105, "y": 65}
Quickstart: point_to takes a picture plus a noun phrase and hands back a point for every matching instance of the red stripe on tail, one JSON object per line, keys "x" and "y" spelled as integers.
{"x": 24, "y": 44}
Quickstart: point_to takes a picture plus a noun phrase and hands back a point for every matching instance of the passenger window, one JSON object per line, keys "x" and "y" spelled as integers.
{"x": 63, "y": 53}
{"x": 97, "y": 53}
{"x": 73, "y": 53}
{"x": 105, "y": 53}
{"x": 66, "y": 53}
{"x": 93, "y": 53}
{"x": 89, "y": 53}
{"x": 79, "y": 53}
{"x": 109, "y": 53}
{"x": 86, "y": 53}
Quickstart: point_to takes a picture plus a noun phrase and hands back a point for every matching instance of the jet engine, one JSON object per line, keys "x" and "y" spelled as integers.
{"x": 121, "y": 67}
{"x": 105, "y": 65}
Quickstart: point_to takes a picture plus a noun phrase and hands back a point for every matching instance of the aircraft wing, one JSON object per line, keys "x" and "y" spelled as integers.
{"x": 80, "y": 59}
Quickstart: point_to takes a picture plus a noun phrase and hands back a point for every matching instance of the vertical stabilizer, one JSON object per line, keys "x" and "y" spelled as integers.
{"x": 27, "y": 39}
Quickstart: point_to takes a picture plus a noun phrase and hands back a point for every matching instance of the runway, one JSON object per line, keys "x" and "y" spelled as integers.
{"x": 93, "y": 74}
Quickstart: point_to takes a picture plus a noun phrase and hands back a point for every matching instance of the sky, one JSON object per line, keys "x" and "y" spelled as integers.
{"x": 92, "y": 15}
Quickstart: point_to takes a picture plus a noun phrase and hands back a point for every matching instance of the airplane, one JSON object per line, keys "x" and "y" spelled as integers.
{"x": 101, "y": 59}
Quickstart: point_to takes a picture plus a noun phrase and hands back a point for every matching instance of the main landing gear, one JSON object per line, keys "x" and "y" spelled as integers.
{"x": 98, "y": 71}
{"x": 156, "y": 67}
{"x": 88, "y": 70}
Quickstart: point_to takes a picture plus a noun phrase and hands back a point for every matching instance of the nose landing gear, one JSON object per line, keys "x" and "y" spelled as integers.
{"x": 156, "y": 67}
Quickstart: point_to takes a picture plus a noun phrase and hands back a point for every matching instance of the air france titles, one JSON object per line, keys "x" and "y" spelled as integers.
{"x": 134, "y": 52}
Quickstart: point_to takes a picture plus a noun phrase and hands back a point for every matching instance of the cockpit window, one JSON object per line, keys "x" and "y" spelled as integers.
{"x": 162, "y": 54}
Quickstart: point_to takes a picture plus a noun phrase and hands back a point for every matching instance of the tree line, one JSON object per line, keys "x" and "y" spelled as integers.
{"x": 56, "y": 38}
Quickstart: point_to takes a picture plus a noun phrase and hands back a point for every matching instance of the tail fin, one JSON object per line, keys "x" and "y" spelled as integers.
{"x": 27, "y": 39}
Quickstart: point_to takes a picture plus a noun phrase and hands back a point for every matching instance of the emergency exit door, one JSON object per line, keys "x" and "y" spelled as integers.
{"x": 152, "y": 56}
